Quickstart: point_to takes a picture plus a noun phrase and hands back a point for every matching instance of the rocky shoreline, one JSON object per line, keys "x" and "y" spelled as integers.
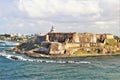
{"x": 65, "y": 56}
{"x": 69, "y": 45}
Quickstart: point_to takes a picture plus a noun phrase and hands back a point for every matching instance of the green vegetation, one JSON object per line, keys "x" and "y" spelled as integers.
{"x": 117, "y": 38}
{"x": 80, "y": 53}
{"x": 37, "y": 46}
{"x": 83, "y": 55}
{"x": 118, "y": 52}
{"x": 111, "y": 42}
{"x": 2, "y": 37}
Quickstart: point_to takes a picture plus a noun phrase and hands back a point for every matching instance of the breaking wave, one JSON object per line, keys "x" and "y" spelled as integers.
{"x": 21, "y": 58}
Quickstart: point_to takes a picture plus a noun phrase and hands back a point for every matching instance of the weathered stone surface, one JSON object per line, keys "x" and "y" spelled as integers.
{"x": 56, "y": 48}
{"x": 55, "y": 43}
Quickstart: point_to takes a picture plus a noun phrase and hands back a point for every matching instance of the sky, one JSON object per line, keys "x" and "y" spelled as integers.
{"x": 38, "y": 16}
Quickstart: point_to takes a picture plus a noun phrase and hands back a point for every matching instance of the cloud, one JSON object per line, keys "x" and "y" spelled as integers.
{"x": 48, "y": 8}
{"x": 21, "y": 25}
{"x": 105, "y": 22}
{"x": 113, "y": 1}
{"x": 37, "y": 16}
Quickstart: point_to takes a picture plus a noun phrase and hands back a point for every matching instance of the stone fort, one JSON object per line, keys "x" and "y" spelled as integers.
{"x": 69, "y": 42}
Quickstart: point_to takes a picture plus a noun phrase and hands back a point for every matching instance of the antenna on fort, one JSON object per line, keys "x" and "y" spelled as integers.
{"x": 52, "y": 29}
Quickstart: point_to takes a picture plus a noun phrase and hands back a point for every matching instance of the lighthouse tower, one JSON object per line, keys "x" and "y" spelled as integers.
{"x": 52, "y": 29}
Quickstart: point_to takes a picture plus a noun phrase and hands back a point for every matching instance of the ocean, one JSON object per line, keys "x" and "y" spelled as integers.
{"x": 90, "y": 68}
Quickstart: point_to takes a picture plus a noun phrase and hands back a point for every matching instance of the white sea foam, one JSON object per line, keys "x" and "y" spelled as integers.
{"x": 21, "y": 58}
{"x": 5, "y": 55}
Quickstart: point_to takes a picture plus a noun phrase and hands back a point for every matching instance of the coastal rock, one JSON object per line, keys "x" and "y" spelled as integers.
{"x": 14, "y": 57}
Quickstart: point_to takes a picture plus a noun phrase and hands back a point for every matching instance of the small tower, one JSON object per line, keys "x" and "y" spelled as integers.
{"x": 52, "y": 29}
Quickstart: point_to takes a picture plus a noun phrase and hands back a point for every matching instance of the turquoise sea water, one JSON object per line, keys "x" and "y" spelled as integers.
{"x": 91, "y": 68}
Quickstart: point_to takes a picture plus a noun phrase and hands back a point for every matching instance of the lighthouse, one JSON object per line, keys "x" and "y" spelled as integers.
{"x": 52, "y": 29}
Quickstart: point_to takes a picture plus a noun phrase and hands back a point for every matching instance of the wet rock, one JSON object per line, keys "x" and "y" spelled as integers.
{"x": 14, "y": 57}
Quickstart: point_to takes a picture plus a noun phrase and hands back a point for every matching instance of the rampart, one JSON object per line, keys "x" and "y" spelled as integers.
{"x": 61, "y": 43}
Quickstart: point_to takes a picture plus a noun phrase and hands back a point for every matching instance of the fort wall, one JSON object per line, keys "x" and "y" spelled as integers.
{"x": 60, "y": 43}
